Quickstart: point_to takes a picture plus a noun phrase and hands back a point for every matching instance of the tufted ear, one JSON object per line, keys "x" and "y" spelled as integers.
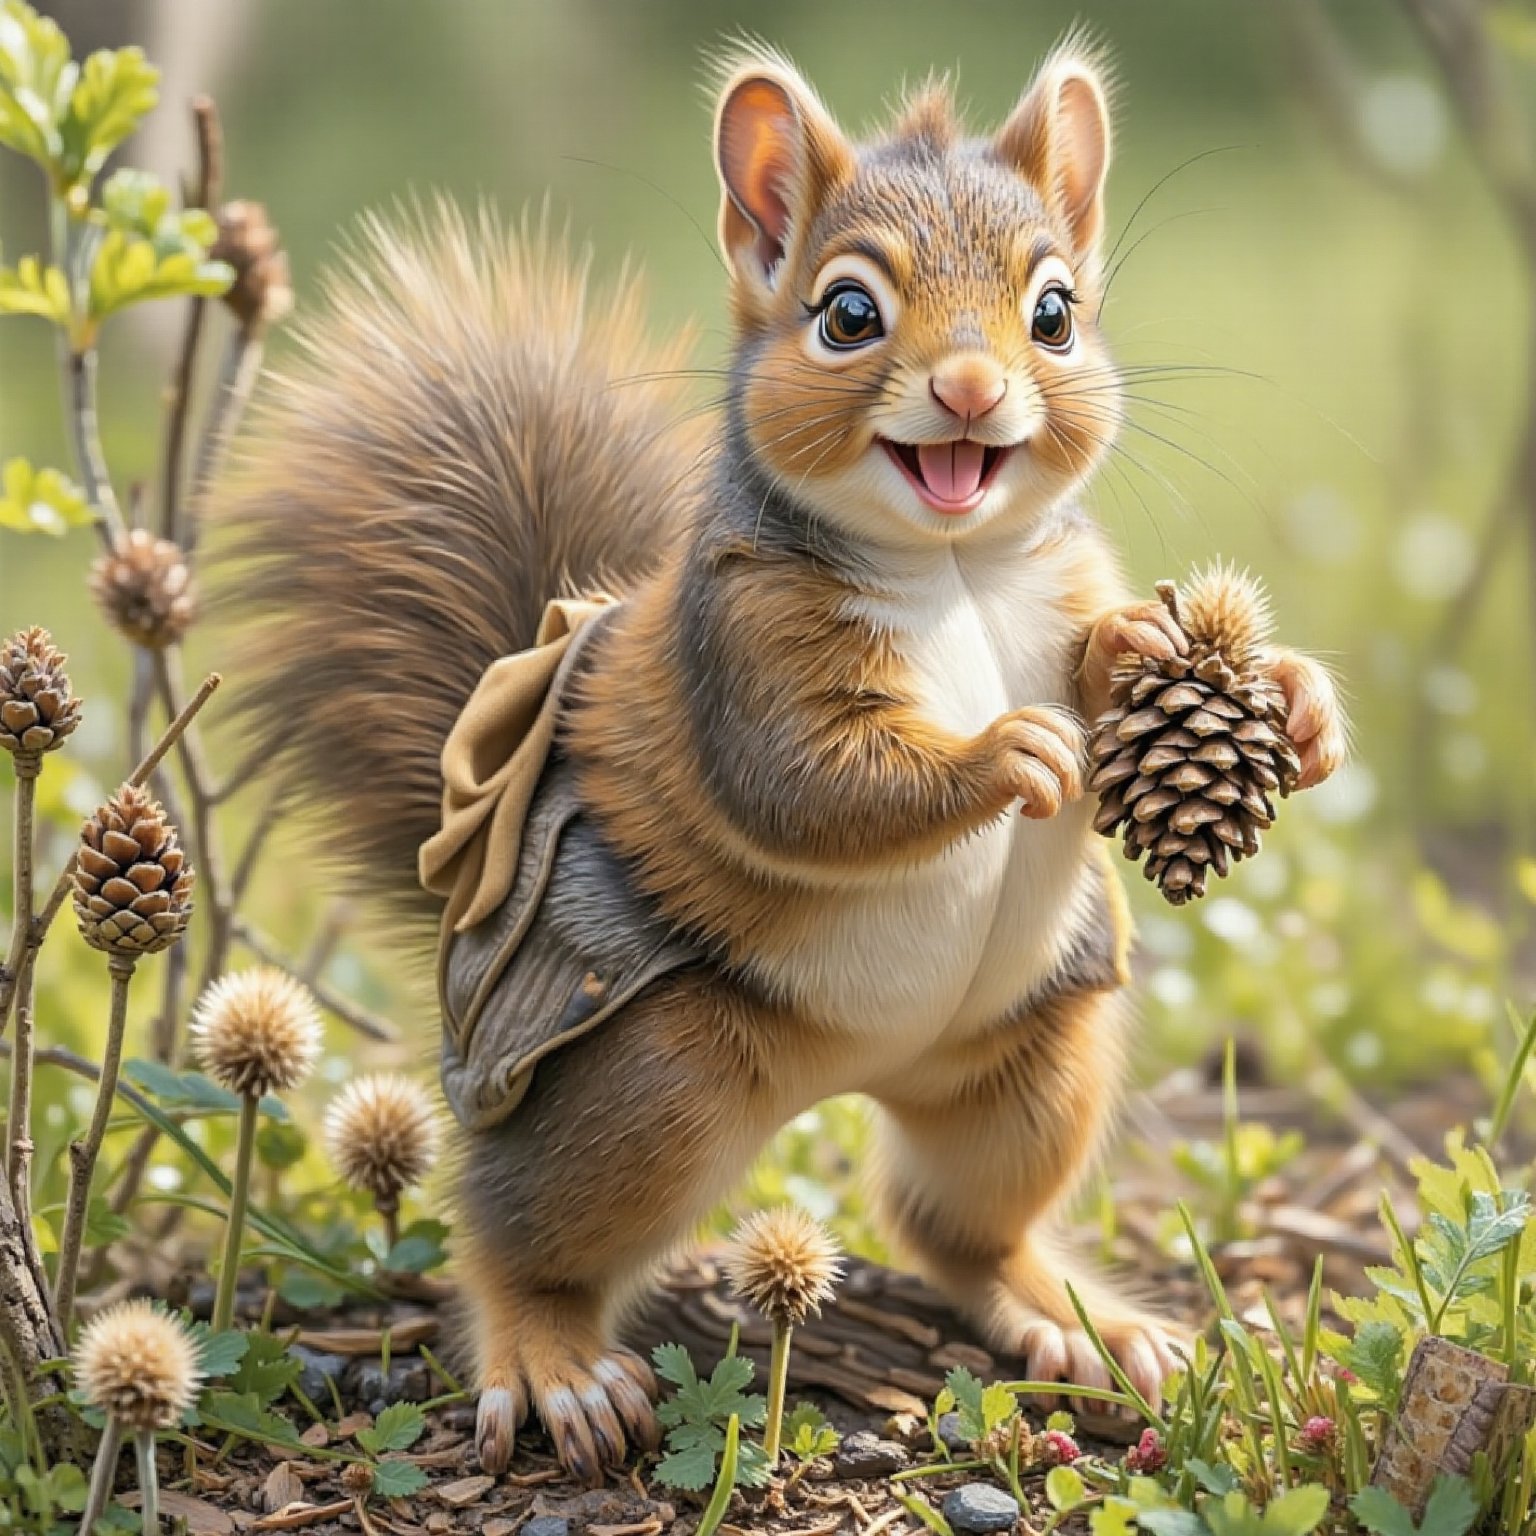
{"x": 778, "y": 153}
{"x": 1058, "y": 138}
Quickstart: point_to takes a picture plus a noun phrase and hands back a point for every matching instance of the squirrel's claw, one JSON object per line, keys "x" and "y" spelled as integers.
{"x": 1144, "y": 1351}
{"x": 590, "y": 1416}
{"x": 497, "y": 1420}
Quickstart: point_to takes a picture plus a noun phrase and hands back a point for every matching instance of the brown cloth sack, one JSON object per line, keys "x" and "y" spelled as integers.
{"x": 492, "y": 761}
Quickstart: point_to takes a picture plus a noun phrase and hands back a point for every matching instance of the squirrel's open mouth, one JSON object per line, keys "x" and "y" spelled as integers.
{"x": 950, "y": 477}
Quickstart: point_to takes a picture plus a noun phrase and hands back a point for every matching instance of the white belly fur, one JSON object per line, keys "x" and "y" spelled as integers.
{"x": 952, "y": 944}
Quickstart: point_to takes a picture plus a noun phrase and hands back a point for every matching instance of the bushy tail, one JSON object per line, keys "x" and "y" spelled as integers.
{"x": 467, "y": 433}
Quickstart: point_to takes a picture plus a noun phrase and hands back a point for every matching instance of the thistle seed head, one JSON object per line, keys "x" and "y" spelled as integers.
{"x": 382, "y": 1134}
{"x": 785, "y": 1263}
{"x": 1227, "y": 611}
{"x": 138, "y": 1365}
{"x": 256, "y": 1031}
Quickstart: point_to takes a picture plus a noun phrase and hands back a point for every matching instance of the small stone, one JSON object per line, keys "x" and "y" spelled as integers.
{"x": 951, "y": 1434}
{"x": 406, "y": 1381}
{"x": 865, "y": 1455}
{"x": 979, "y": 1508}
{"x": 466, "y": 1490}
{"x": 547, "y": 1525}
{"x": 318, "y": 1369}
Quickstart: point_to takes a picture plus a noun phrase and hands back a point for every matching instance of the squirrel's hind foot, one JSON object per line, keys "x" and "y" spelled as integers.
{"x": 591, "y": 1408}
{"x": 1148, "y": 1350}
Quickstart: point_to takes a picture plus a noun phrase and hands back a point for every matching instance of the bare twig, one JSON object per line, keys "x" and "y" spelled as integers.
{"x": 208, "y": 853}
{"x": 238, "y": 372}
{"x": 26, "y": 941}
{"x": 205, "y": 194}
{"x": 19, "y": 1119}
{"x": 360, "y": 1019}
{"x": 85, "y": 440}
{"x": 83, "y": 1154}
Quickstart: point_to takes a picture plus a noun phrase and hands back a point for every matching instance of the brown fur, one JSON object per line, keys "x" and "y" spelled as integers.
{"x": 414, "y": 489}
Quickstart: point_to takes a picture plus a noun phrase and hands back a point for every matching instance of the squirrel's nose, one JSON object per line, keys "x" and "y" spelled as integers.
{"x": 968, "y": 386}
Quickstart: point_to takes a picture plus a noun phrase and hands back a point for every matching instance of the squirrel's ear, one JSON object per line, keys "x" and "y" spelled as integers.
{"x": 778, "y": 153}
{"x": 1058, "y": 137}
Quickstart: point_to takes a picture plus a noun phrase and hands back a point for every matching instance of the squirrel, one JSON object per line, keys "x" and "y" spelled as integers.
{"x": 832, "y": 731}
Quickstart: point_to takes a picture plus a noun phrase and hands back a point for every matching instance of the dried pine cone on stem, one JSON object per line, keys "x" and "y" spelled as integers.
{"x": 1193, "y": 748}
{"x": 143, "y": 586}
{"x": 262, "y": 291}
{"x": 133, "y": 886}
{"x": 38, "y": 708}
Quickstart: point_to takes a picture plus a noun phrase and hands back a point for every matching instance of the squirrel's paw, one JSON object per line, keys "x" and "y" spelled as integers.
{"x": 586, "y": 1409}
{"x": 1314, "y": 717}
{"x": 1040, "y": 759}
{"x": 1147, "y": 1350}
{"x": 1139, "y": 629}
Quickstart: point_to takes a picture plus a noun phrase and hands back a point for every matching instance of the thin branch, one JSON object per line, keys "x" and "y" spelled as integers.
{"x": 266, "y": 822}
{"x": 85, "y": 441}
{"x": 238, "y": 372}
{"x": 206, "y": 194}
{"x": 26, "y": 941}
{"x": 209, "y": 854}
{"x": 19, "y": 1118}
{"x": 361, "y": 1019}
{"x": 83, "y": 1154}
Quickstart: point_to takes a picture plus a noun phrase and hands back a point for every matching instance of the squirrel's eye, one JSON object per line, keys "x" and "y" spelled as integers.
{"x": 849, "y": 316}
{"x": 1052, "y": 325}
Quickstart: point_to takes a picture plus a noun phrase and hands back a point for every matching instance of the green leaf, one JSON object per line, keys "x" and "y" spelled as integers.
{"x": 1064, "y": 1488}
{"x": 266, "y": 1369}
{"x": 1298, "y": 1511}
{"x": 1117, "y": 1517}
{"x": 219, "y": 1354}
{"x": 39, "y": 500}
{"x": 102, "y": 1224}
{"x": 807, "y": 1433}
{"x": 394, "y": 1479}
{"x": 67, "y": 1487}
{"x": 414, "y": 1256}
{"x": 1381, "y": 1514}
{"x": 674, "y": 1364}
{"x": 1160, "y": 1522}
{"x": 1375, "y": 1355}
{"x": 243, "y": 1414}
{"x": 115, "y": 91}
{"x": 128, "y": 269}
{"x": 301, "y": 1289}
{"x": 1452, "y": 1508}
{"x": 1219, "y": 1479}
{"x": 690, "y": 1470}
{"x": 37, "y": 78}
{"x": 398, "y": 1428}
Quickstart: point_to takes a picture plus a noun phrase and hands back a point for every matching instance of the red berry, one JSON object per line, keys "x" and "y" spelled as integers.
{"x": 1148, "y": 1454}
{"x": 1060, "y": 1447}
{"x": 1318, "y": 1432}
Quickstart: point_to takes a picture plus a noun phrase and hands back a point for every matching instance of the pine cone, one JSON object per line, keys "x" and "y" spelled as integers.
{"x": 133, "y": 887}
{"x": 38, "y": 708}
{"x": 1191, "y": 750}
{"x": 144, "y": 587}
{"x": 263, "y": 290}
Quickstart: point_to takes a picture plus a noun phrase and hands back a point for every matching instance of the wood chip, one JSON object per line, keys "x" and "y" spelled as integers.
{"x": 282, "y": 1488}
{"x": 202, "y": 1518}
{"x": 353, "y": 1422}
{"x": 498, "y": 1527}
{"x": 650, "y": 1527}
{"x": 464, "y": 1490}
{"x": 317, "y": 1437}
{"x": 296, "y": 1516}
{"x": 403, "y": 1337}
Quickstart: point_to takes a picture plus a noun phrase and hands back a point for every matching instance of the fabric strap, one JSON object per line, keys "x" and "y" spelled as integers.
{"x": 491, "y": 763}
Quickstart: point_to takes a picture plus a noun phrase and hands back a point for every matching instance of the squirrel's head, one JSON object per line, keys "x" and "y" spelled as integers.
{"x": 917, "y": 353}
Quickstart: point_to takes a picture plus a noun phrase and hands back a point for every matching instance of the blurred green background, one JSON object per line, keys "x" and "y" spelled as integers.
{"x": 1318, "y": 252}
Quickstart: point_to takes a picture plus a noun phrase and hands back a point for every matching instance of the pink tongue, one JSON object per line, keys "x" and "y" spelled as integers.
{"x": 952, "y": 471}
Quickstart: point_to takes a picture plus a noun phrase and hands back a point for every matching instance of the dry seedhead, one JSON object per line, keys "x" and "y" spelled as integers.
{"x": 382, "y": 1134}
{"x": 144, "y": 589}
{"x": 133, "y": 885}
{"x": 262, "y": 291}
{"x": 38, "y": 708}
{"x": 1192, "y": 749}
{"x": 138, "y": 1366}
{"x": 256, "y": 1032}
{"x": 784, "y": 1263}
